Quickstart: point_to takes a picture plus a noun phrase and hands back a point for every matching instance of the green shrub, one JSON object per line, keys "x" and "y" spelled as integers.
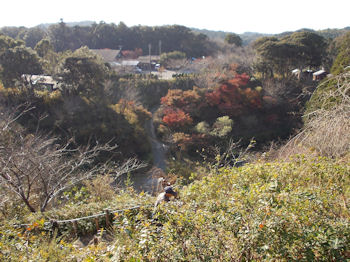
{"x": 329, "y": 94}
{"x": 296, "y": 210}
{"x": 266, "y": 211}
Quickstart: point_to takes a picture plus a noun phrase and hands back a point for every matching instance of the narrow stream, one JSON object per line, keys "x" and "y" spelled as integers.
{"x": 148, "y": 181}
{"x": 158, "y": 148}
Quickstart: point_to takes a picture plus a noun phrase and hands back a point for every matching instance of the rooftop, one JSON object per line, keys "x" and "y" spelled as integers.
{"x": 320, "y": 72}
{"x": 108, "y": 55}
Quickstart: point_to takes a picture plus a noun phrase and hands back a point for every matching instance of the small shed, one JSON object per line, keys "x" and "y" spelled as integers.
{"x": 319, "y": 75}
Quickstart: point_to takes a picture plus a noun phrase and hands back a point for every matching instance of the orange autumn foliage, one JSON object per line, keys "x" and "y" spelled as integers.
{"x": 175, "y": 118}
{"x": 180, "y": 98}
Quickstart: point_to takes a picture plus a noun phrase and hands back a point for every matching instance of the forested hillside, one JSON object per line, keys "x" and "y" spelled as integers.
{"x": 254, "y": 137}
{"x": 112, "y": 36}
{"x": 249, "y": 37}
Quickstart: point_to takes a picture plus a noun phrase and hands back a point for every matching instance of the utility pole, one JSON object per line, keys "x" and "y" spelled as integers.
{"x": 120, "y": 52}
{"x": 160, "y": 47}
{"x": 149, "y": 52}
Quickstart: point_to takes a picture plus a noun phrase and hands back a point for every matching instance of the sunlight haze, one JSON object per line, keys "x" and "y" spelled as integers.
{"x": 270, "y": 16}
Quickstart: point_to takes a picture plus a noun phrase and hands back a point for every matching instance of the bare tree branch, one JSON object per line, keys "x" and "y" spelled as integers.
{"x": 37, "y": 169}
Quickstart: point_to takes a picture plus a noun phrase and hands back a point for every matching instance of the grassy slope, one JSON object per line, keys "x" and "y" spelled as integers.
{"x": 295, "y": 210}
{"x": 292, "y": 210}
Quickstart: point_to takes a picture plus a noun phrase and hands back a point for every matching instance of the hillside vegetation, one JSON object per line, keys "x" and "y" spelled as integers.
{"x": 292, "y": 210}
{"x": 259, "y": 152}
{"x": 287, "y": 210}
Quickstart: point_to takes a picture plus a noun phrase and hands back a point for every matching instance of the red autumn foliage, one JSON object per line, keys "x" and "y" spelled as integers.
{"x": 174, "y": 97}
{"x": 180, "y": 98}
{"x": 175, "y": 118}
{"x": 232, "y": 98}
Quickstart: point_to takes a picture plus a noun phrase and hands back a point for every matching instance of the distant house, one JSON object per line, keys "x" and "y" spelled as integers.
{"x": 108, "y": 55}
{"x": 131, "y": 65}
{"x": 127, "y": 66}
{"x": 147, "y": 62}
{"x": 304, "y": 74}
{"x": 40, "y": 82}
{"x": 319, "y": 75}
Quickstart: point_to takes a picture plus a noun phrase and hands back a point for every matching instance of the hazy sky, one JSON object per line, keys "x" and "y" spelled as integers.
{"x": 265, "y": 16}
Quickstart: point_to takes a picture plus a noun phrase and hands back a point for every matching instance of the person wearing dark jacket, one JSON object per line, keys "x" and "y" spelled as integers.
{"x": 165, "y": 196}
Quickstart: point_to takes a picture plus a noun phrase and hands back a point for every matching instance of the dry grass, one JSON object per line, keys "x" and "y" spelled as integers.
{"x": 327, "y": 129}
{"x": 100, "y": 188}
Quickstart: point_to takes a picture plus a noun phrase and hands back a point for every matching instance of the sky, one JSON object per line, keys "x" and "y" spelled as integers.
{"x": 263, "y": 16}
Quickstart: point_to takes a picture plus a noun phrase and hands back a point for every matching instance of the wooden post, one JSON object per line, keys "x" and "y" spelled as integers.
{"x": 108, "y": 222}
{"x": 75, "y": 227}
{"x": 97, "y": 225}
{"x": 54, "y": 227}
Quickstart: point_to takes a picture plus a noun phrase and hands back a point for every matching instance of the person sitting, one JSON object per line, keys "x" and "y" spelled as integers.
{"x": 165, "y": 196}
